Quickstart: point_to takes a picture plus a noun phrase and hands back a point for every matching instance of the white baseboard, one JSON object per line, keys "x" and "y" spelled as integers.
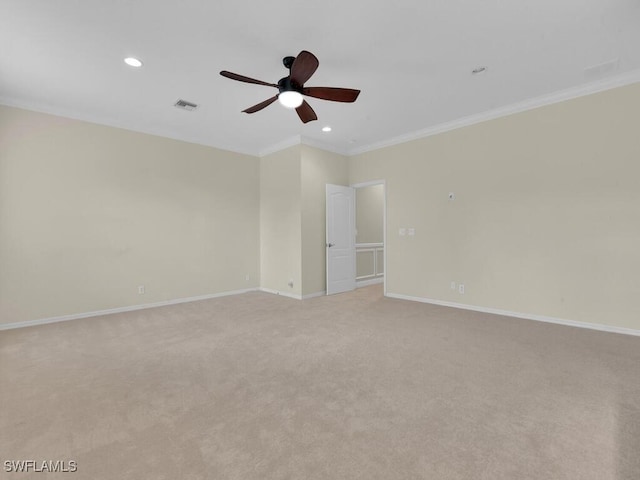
{"x": 314, "y": 295}
{"x": 97, "y": 313}
{"x": 366, "y": 283}
{"x": 525, "y": 316}
{"x": 281, "y": 293}
{"x": 292, "y": 295}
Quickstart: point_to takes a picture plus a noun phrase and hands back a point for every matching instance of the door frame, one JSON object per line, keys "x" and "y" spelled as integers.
{"x": 384, "y": 222}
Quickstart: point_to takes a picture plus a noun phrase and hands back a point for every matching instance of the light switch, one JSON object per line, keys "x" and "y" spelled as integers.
{"x": 411, "y": 231}
{"x": 402, "y": 232}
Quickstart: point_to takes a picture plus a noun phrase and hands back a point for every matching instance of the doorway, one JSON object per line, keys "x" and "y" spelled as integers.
{"x": 370, "y": 233}
{"x": 356, "y": 236}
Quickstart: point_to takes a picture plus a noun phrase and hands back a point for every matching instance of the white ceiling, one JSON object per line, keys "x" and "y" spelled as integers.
{"x": 412, "y": 60}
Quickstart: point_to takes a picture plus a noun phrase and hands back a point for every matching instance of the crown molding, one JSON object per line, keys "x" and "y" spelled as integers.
{"x": 283, "y": 145}
{"x": 301, "y": 140}
{"x": 530, "y": 104}
{"x": 311, "y": 142}
{"x": 556, "y": 97}
{"x": 113, "y": 123}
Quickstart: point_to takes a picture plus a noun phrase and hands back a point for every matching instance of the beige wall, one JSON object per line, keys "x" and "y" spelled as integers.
{"x": 319, "y": 167}
{"x": 370, "y": 214}
{"x": 280, "y": 221}
{"x": 546, "y": 218}
{"x": 365, "y": 263}
{"x": 88, "y": 213}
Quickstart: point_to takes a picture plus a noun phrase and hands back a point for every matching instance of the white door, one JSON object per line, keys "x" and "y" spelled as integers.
{"x": 341, "y": 239}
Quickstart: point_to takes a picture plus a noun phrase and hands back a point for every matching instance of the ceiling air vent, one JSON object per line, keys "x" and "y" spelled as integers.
{"x": 183, "y": 104}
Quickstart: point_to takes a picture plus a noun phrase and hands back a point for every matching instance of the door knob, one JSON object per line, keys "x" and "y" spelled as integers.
{"x": 330, "y": 245}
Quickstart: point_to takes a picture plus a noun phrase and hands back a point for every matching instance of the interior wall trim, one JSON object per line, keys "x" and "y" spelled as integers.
{"x": 301, "y": 140}
{"x": 281, "y": 293}
{"x": 312, "y": 142}
{"x": 110, "y": 311}
{"x": 555, "y": 97}
{"x": 372, "y": 281}
{"x": 282, "y": 145}
{"x": 314, "y": 295}
{"x": 116, "y": 122}
{"x": 524, "y": 316}
{"x": 616, "y": 81}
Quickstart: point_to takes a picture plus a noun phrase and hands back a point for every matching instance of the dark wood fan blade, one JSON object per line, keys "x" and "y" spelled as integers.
{"x": 303, "y": 67}
{"x": 261, "y": 105}
{"x": 333, "y": 94}
{"x": 242, "y": 78}
{"x": 306, "y": 113}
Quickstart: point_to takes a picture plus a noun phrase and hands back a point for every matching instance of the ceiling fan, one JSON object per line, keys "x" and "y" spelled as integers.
{"x": 291, "y": 88}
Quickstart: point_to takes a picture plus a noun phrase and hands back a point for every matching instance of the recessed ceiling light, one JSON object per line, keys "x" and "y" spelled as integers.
{"x": 478, "y": 70}
{"x": 326, "y": 129}
{"x": 133, "y": 62}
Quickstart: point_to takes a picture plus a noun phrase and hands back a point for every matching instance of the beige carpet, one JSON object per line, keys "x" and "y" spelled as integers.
{"x": 353, "y": 386}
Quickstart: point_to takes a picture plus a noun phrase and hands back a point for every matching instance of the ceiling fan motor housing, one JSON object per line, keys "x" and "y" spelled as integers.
{"x": 288, "y": 62}
{"x": 286, "y": 85}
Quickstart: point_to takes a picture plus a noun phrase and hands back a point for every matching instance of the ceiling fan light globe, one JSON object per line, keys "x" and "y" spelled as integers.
{"x": 290, "y": 99}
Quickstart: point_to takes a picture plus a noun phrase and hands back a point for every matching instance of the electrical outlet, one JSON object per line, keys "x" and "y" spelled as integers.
{"x": 453, "y": 285}
{"x": 290, "y": 283}
{"x": 461, "y": 288}
{"x": 140, "y": 289}
{"x": 247, "y": 277}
